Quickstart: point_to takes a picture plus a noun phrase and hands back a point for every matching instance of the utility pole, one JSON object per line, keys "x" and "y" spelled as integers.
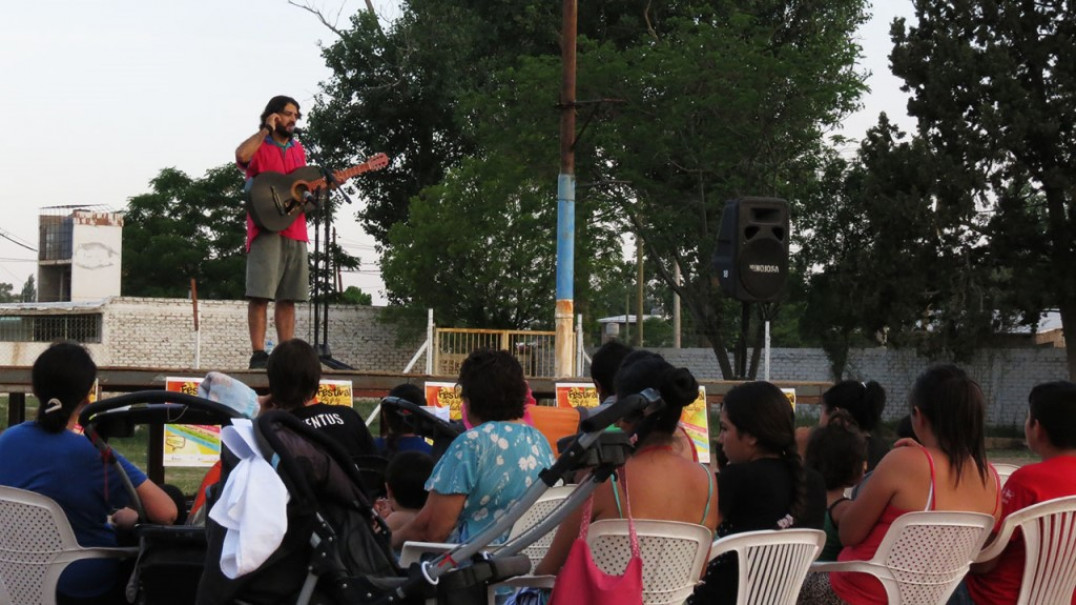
{"x": 563, "y": 341}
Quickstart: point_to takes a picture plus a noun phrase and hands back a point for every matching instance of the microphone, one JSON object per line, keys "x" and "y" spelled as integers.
{"x": 297, "y": 130}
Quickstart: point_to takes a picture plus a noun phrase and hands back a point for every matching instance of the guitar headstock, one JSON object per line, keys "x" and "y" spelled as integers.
{"x": 377, "y": 161}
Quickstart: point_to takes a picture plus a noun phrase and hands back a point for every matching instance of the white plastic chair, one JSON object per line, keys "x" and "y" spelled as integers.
{"x": 1049, "y": 533}
{"x": 538, "y": 511}
{"x": 673, "y": 553}
{"x": 923, "y": 556}
{"x": 414, "y": 551}
{"x": 36, "y": 544}
{"x": 1004, "y": 470}
{"x": 772, "y": 563}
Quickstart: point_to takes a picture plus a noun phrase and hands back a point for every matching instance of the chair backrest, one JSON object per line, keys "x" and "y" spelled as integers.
{"x": 925, "y": 554}
{"x": 1049, "y": 531}
{"x": 1004, "y": 470}
{"x": 673, "y": 555}
{"x": 772, "y": 563}
{"x": 538, "y": 511}
{"x": 36, "y": 543}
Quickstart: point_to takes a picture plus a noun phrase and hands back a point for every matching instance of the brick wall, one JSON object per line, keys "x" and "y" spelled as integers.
{"x": 1006, "y": 375}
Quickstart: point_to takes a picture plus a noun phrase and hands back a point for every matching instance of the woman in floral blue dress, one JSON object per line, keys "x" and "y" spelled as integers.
{"x": 489, "y": 467}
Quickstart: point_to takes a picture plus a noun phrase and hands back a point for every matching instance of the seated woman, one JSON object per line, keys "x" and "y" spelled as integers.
{"x": 46, "y": 456}
{"x": 865, "y": 401}
{"x": 764, "y": 485}
{"x": 948, "y": 471}
{"x": 838, "y": 451}
{"x": 487, "y": 468}
{"x": 663, "y": 485}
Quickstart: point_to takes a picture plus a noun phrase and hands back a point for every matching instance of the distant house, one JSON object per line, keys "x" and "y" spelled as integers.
{"x": 620, "y": 326}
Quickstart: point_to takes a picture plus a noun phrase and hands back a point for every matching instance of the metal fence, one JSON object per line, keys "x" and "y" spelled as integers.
{"x": 535, "y": 351}
{"x": 83, "y": 327}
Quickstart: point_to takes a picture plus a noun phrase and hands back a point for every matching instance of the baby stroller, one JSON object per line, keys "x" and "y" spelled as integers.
{"x": 171, "y": 558}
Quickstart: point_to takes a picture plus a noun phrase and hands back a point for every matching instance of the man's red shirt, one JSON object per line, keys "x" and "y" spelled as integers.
{"x": 274, "y": 157}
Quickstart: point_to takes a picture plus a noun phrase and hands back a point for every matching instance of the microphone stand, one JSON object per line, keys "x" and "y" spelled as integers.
{"x": 323, "y": 213}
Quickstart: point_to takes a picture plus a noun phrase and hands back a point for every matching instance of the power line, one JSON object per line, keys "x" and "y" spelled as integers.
{"x": 11, "y": 238}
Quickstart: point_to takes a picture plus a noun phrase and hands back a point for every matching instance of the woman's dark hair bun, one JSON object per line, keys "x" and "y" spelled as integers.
{"x": 679, "y": 387}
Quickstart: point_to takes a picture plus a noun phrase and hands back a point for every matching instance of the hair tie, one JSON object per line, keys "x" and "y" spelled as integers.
{"x": 54, "y": 406}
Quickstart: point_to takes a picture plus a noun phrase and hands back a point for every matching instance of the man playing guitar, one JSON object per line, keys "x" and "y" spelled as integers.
{"x": 277, "y": 266}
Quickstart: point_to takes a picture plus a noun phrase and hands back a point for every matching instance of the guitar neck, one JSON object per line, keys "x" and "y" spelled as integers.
{"x": 339, "y": 176}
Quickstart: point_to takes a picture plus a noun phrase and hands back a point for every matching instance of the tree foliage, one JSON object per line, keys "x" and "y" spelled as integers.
{"x": 714, "y": 100}
{"x": 992, "y": 87}
{"x": 186, "y": 228}
{"x": 29, "y": 290}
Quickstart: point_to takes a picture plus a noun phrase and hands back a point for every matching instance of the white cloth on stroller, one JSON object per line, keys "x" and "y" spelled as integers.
{"x": 228, "y": 391}
{"x": 252, "y": 506}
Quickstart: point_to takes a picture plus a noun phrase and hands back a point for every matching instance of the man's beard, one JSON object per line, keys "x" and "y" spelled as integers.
{"x": 283, "y": 131}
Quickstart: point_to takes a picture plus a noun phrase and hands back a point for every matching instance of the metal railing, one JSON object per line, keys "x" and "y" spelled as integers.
{"x": 534, "y": 350}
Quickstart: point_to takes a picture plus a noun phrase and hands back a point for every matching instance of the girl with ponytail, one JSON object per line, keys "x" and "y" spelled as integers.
{"x": 46, "y": 456}
{"x": 664, "y": 484}
{"x": 764, "y": 485}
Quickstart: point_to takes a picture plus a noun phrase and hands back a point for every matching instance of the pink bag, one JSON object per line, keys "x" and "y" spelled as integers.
{"x": 581, "y": 581}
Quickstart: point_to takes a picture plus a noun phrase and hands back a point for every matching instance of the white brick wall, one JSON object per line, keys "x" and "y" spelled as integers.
{"x": 159, "y": 333}
{"x": 1006, "y": 375}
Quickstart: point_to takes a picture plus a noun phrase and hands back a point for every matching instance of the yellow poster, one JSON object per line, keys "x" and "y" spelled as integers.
{"x": 791, "y": 394}
{"x": 576, "y": 394}
{"x": 444, "y": 395}
{"x": 335, "y": 392}
{"x": 189, "y": 444}
{"x": 696, "y": 423}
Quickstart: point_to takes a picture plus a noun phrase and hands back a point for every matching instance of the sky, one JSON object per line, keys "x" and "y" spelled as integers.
{"x": 100, "y": 95}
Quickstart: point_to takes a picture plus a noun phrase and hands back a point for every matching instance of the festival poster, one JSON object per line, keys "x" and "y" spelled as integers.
{"x": 444, "y": 395}
{"x": 93, "y": 397}
{"x": 335, "y": 392}
{"x": 576, "y": 394}
{"x": 696, "y": 423}
{"x": 189, "y": 444}
{"x": 791, "y": 394}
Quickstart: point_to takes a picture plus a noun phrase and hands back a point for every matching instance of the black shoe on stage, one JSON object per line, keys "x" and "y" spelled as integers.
{"x": 259, "y": 360}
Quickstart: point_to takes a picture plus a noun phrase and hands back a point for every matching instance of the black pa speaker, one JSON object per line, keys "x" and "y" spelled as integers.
{"x": 751, "y": 259}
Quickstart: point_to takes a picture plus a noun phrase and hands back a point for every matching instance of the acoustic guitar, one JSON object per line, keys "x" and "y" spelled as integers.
{"x": 276, "y": 199}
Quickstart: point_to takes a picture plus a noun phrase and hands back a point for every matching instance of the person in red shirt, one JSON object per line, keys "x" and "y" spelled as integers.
{"x": 1050, "y": 430}
{"x": 277, "y": 267}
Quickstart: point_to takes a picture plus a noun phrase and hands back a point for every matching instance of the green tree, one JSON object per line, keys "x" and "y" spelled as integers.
{"x": 7, "y": 293}
{"x": 991, "y": 87}
{"x": 719, "y": 100}
{"x": 29, "y": 290}
{"x": 186, "y": 228}
{"x": 353, "y": 295}
{"x": 888, "y": 265}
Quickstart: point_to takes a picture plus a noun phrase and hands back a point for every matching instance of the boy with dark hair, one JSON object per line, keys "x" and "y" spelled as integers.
{"x": 294, "y": 372}
{"x": 1050, "y": 430}
{"x": 405, "y": 481}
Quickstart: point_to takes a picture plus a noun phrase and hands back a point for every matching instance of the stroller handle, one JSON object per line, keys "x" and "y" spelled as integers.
{"x": 159, "y": 396}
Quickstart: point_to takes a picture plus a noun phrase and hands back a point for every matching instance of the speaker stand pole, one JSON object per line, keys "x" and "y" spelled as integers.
{"x": 741, "y": 346}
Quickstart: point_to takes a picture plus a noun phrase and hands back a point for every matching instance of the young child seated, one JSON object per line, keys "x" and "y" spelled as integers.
{"x": 405, "y": 479}
{"x": 1050, "y": 430}
{"x": 838, "y": 451}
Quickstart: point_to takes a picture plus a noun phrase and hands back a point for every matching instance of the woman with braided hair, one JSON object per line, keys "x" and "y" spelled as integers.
{"x": 765, "y": 485}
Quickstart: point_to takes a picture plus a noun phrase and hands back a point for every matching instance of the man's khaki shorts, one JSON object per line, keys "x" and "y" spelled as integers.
{"x": 277, "y": 268}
